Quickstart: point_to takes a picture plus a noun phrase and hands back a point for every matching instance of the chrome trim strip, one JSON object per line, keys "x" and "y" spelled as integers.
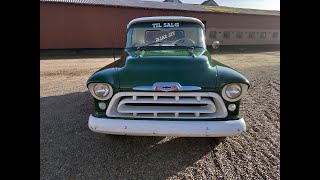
{"x": 166, "y": 84}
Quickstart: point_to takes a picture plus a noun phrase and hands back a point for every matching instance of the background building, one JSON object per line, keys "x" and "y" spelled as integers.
{"x": 72, "y": 24}
{"x": 209, "y": 3}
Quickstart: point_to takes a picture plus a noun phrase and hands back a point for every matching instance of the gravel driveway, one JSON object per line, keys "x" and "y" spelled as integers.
{"x": 69, "y": 150}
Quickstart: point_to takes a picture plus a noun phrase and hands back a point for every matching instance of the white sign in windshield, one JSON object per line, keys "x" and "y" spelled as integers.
{"x": 165, "y": 36}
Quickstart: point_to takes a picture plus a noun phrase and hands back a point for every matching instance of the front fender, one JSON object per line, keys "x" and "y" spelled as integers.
{"x": 104, "y": 75}
{"x": 228, "y": 75}
{"x": 108, "y": 75}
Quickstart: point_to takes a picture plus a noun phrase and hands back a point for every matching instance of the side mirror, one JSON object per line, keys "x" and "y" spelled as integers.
{"x": 215, "y": 44}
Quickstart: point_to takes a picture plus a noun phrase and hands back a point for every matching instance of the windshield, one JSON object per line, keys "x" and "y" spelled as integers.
{"x": 165, "y": 34}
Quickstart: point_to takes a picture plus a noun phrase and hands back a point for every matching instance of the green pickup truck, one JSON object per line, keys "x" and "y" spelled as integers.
{"x": 167, "y": 84}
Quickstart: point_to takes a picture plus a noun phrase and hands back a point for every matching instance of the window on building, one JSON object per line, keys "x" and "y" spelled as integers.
{"x": 213, "y": 34}
{"x": 226, "y": 34}
{"x": 239, "y": 35}
{"x": 251, "y": 35}
{"x": 275, "y": 35}
{"x": 263, "y": 35}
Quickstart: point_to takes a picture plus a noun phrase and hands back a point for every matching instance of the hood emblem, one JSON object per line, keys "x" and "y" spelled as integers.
{"x": 166, "y": 87}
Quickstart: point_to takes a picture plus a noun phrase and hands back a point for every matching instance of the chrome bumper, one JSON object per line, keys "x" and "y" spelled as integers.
{"x": 167, "y": 127}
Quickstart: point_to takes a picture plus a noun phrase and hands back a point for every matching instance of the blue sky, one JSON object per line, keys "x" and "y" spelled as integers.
{"x": 253, "y": 4}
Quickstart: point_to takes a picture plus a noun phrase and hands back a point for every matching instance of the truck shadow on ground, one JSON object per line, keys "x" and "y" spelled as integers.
{"x": 68, "y": 149}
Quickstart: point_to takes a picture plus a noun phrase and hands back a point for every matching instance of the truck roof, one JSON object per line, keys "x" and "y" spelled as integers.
{"x": 165, "y": 18}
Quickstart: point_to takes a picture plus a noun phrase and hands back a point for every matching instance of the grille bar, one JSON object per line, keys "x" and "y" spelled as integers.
{"x": 163, "y": 109}
{"x": 174, "y": 105}
{"x": 165, "y": 100}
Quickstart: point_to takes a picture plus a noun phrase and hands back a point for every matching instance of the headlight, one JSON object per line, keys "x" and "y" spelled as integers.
{"x": 100, "y": 91}
{"x": 234, "y": 92}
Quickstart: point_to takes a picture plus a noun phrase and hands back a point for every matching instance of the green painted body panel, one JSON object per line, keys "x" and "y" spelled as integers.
{"x": 228, "y": 75}
{"x": 144, "y": 68}
{"x": 177, "y": 66}
{"x": 105, "y": 75}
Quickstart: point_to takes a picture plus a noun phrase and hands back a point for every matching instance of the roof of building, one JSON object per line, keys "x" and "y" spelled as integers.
{"x": 231, "y": 10}
{"x": 165, "y": 18}
{"x": 133, "y": 3}
{"x": 209, "y": 3}
{"x": 173, "y": 1}
{"x": 169, "y": 6}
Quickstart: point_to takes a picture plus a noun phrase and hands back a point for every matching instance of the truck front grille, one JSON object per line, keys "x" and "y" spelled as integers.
{"x": 173, "y": 105}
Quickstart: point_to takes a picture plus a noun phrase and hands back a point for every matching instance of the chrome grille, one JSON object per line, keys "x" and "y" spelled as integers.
{"x": 173, "y": 105}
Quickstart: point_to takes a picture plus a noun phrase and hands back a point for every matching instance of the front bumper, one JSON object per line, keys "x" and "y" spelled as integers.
{"x": 167, "y": 128}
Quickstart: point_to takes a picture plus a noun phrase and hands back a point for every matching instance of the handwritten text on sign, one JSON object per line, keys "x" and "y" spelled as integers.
{"x": 165, "y": 25}
{"x": 165, "y": 36}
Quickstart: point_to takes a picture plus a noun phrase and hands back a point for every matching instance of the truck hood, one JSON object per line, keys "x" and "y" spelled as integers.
{"x": 185, "y": 70}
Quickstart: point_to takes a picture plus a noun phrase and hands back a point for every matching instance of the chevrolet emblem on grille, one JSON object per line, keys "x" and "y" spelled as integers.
{"x": 166, "y": 87}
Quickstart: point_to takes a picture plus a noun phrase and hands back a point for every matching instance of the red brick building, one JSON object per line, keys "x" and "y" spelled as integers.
{"x": 72, "y": 24}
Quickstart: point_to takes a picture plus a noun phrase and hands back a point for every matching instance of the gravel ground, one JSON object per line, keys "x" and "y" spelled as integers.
{"x": 69, "y": 150}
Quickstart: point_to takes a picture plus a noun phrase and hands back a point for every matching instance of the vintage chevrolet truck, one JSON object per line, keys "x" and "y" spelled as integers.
{"x": 167, "y": 84}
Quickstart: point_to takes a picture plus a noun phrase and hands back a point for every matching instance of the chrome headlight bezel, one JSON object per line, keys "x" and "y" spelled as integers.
{"x": 91, "y": 87}
{"x": 244, "y": 88}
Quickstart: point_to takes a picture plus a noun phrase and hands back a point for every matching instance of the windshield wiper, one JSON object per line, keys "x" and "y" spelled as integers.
{"x": 190, "y": 49}
{"x": 139, "y": 47}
